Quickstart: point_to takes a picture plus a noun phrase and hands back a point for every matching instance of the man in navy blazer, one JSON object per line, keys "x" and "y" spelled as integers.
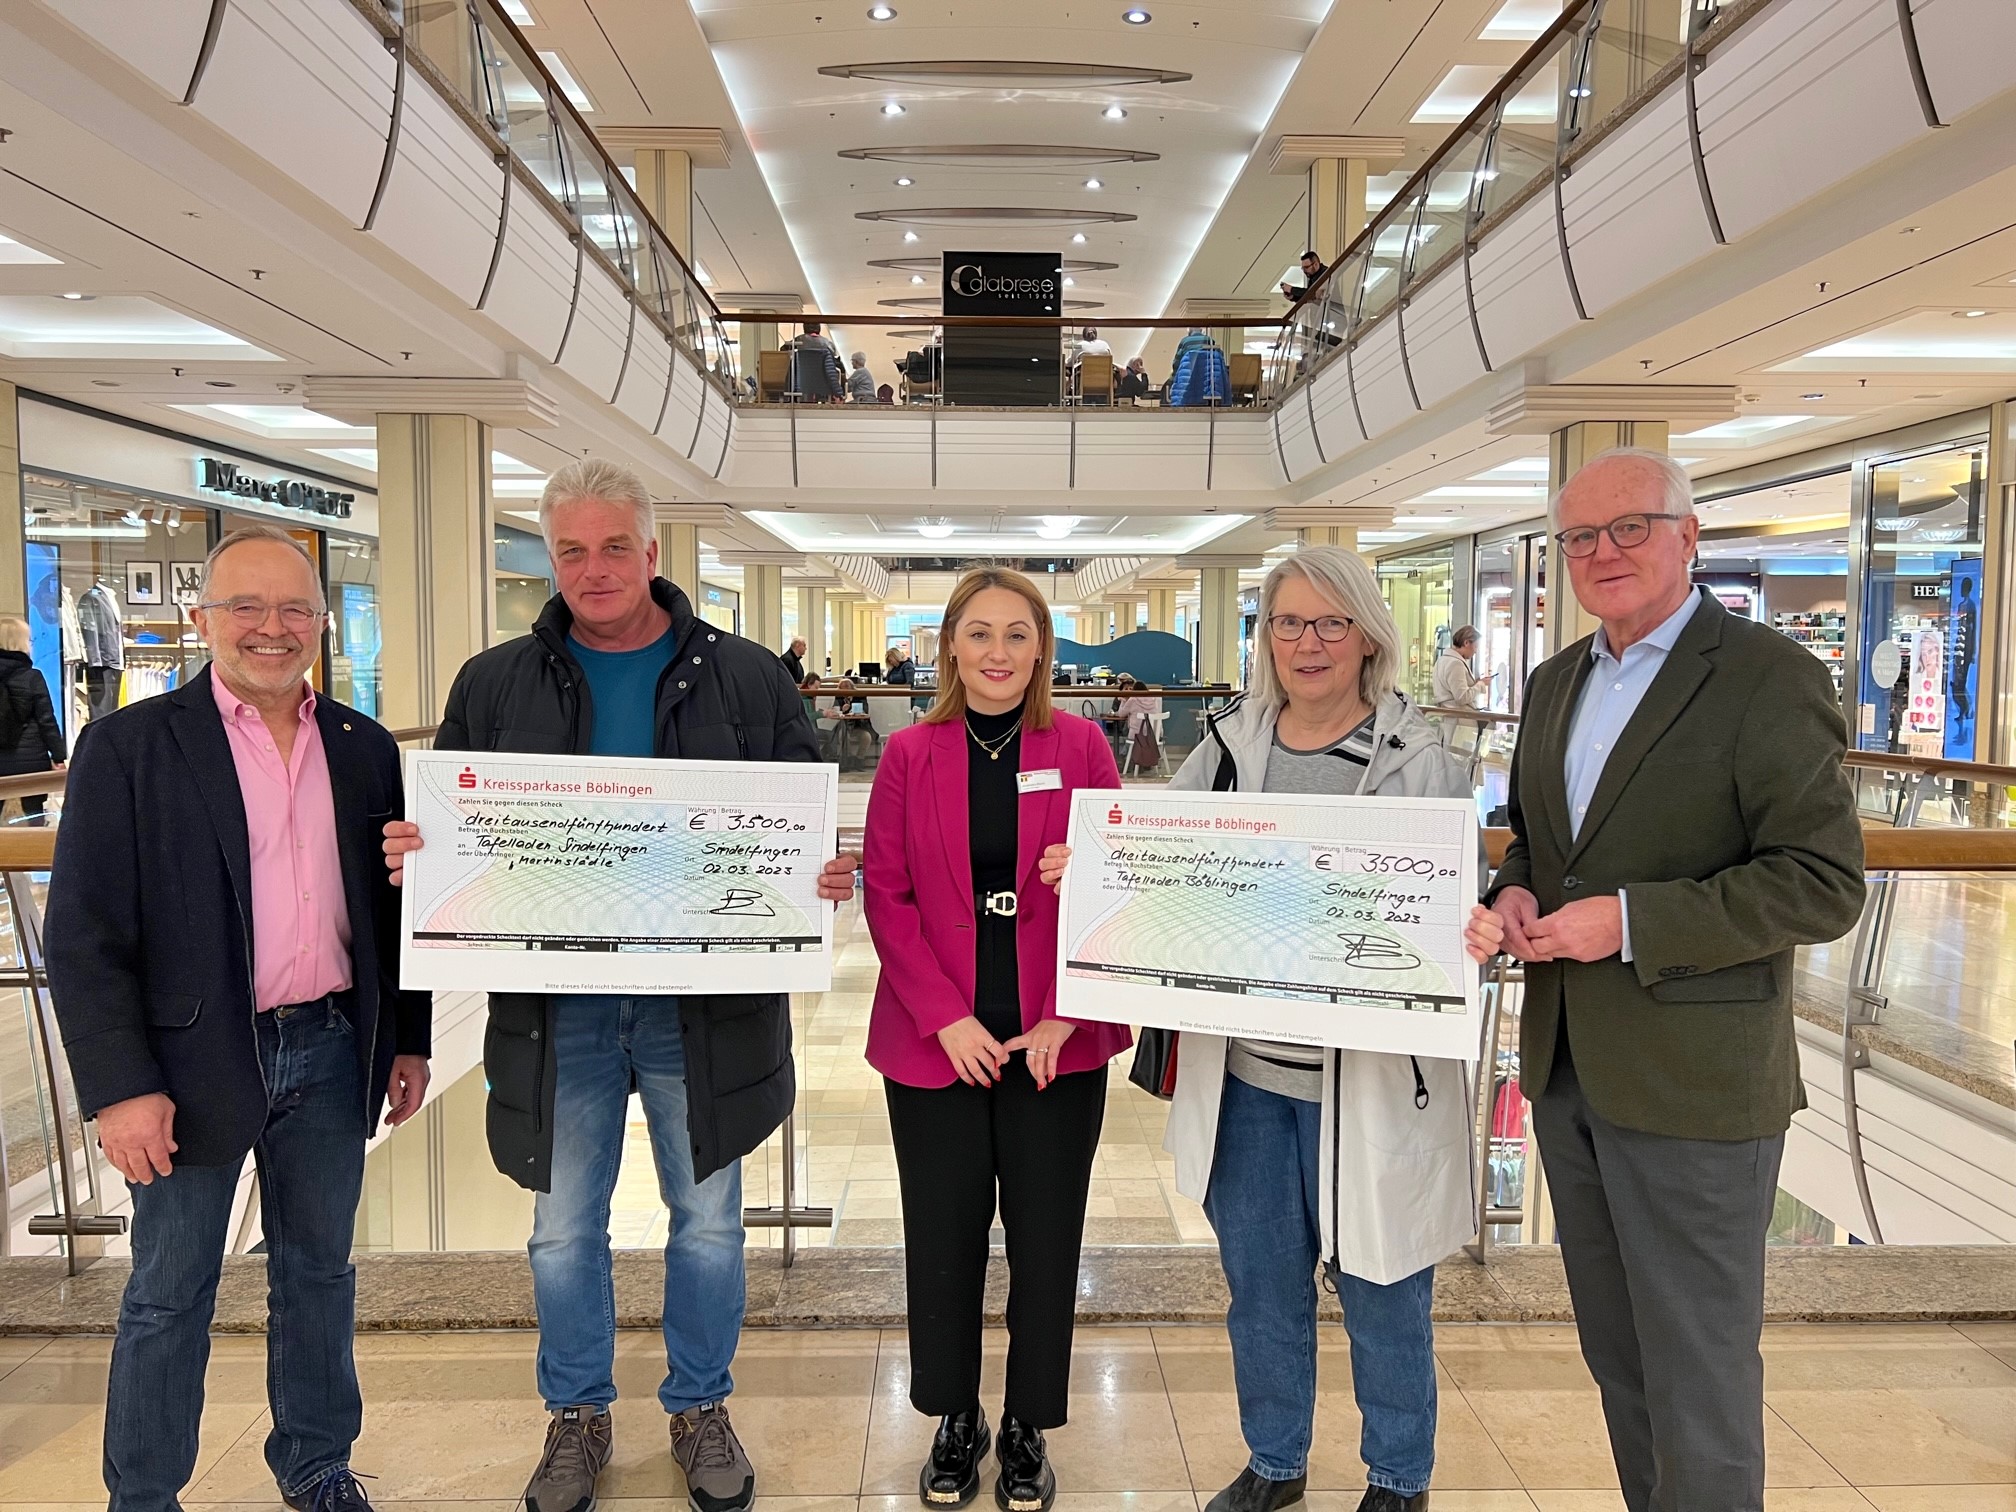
{"x": 222, "y": 948}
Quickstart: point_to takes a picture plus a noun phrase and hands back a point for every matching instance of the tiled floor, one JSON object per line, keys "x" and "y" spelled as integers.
{"x": 1895, "y": 1418}
{"x": 845, "y": 1160}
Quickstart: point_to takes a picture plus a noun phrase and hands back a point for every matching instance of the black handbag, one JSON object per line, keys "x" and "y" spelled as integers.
{"x": 1154, "y": 1070}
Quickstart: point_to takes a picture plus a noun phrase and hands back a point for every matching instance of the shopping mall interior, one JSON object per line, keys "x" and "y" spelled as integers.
{"x": 869, "y": 294}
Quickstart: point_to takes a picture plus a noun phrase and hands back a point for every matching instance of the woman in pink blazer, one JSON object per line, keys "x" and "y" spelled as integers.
{"x": 991, "y": 1095}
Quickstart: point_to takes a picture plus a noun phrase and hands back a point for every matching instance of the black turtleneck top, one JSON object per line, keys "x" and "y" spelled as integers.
{"x": 992, "y": 834}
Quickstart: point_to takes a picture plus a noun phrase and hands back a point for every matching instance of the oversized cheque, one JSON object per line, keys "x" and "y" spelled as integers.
{"x": 1332, "y": 921}
{"x": 602, "y": 874}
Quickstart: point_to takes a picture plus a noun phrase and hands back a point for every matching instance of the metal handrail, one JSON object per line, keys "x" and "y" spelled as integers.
{"x": 1887, "y": 852}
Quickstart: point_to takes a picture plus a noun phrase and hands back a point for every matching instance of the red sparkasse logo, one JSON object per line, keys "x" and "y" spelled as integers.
{"x": 465, "y": 779}
{"x": 1114, "y": 816}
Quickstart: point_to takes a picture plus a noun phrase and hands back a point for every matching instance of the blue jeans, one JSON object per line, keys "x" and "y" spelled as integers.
{"x": 602, "y": 1045}
{"x": 1262, "y": 1204}
{"x": 311, "y": 1169}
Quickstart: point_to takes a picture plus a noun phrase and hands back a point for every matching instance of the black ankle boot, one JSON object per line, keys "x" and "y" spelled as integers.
{"x": 1027, "y": 1482}
{"x": 1379, "y": 1499}
{"x": 951, "y": 1477}
{"x": 1255, "y": 1493}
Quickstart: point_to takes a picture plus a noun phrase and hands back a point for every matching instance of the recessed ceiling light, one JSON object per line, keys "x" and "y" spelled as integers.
{"x": 1114, "y": 113}
{"x": 1136, "y": 16}
{"x": 1812, "y": 396}
{"x": 905, "y": 183}
{"x": 1078, "y": 238}
{"x": 219, "y": 383}
{"x": 1968, "y": 314}
{"x": 909, "y": 236}
{"x": 916, "y": 278}
{"x": 937, "y": 530}
{"x": 73, "y": 296}
{"x": 1094, "y": 184}
{"x": 892, "y": 109}
{"x": 881, "y": 13}
{"x": 1070, "y": 282}
{"x": 1908, "y": 231}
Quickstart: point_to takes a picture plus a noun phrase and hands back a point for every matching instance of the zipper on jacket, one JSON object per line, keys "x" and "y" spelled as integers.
{"x": 1420, "y": 1084}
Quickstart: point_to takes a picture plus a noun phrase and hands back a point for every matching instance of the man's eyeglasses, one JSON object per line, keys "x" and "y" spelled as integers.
{"x": 250, "y": 613}
{"x": 1626, "y": 532}
{"x": 1289, "y": 627}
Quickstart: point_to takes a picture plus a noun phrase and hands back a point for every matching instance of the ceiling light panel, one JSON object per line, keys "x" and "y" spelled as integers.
{"x": 995, "y": 215}
{"x": 1464, "y": 87}
{"x": 1520, "y": 21}
{"x": 974, "y": 73}
{"x": 1925, "y": 341}
{"x": 280, "y": 421}
{"x": 1006, "y": 156}
{"x": 570, "y": 86}
{"x": 20, "y": 254}
{"x": 115, "y": 326}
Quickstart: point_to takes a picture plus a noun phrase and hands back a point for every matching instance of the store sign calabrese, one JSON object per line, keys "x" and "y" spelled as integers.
{"x": 219, "y": 477}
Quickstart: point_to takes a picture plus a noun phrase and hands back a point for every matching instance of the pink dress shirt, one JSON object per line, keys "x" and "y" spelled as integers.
{"x": 300, "y": 922}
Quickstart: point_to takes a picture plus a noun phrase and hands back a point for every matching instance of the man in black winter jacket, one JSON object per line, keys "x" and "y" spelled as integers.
{"x": 618, "y": 664}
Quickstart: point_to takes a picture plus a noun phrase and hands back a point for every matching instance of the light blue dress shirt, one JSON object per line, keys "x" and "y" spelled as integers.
{"x": 1615, "y": 687}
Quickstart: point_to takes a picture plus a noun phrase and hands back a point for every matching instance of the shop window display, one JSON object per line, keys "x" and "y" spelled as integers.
{"x": 1921, "y": 604}
{"x": 355, "y": 636}
{"x": 107, "y": 606}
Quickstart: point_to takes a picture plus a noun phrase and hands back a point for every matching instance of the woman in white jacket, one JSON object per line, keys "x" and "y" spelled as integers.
{"x": 1301, "y": 1155}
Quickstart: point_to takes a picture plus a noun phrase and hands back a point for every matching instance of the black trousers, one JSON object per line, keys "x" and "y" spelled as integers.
{"x": 957, "y": 1149}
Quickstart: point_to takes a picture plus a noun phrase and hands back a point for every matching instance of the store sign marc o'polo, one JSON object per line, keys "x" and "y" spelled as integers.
{"x": 217, "y": 477}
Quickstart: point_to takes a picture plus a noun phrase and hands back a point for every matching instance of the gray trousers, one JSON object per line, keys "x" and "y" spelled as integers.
{"x": 1663, "y": 1240}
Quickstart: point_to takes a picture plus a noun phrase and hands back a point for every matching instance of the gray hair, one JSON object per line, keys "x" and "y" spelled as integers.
{"x": 1343, "y": 579}
{"x": 1676, "y": 489}
{"x": 247, "y": 533}
{"x": 860, "y": 359}
{"x": 594, "y": 479}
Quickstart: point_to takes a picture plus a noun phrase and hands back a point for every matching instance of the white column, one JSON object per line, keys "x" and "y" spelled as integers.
{"x": 436, "y": 558}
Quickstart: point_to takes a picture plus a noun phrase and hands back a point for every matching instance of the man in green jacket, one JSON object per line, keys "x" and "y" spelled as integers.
{"x": 1681, "y": 823}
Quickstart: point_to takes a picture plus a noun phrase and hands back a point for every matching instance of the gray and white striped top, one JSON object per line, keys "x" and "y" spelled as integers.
{"x": 1272, "y": 1065}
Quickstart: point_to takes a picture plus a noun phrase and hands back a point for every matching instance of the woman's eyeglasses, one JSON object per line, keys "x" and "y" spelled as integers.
{"x": 1289, "y": 627}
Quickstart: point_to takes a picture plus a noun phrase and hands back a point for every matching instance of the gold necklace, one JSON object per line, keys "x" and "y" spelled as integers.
{"x": 993, "y": 751}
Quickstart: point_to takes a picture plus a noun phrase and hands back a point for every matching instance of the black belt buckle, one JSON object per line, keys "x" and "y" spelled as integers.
{"x": 1001, "y": 904}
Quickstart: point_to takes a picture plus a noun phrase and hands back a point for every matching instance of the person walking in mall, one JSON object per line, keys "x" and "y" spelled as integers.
{"x": 27, "y": 716}
{"x": 222, "y": 952}
{"x": 1680, "y": 824}
{"x": 1455, "y": 686}
{"x": 992, "y": 1098}
{"x": 794, "y": 659}
{"x": 597, "y": 677}
{"x": 1305, "y": 1156}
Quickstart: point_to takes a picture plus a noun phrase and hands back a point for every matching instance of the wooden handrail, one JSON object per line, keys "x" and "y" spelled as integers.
{"x": 27, "y": 848}
{"x": 1904, "y": 850}
{"x": 32, "y": 784}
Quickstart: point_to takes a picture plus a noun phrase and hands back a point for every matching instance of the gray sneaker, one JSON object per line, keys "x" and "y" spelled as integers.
{"x": 578, "y": 1441}
{"x": 719, "y": 1477}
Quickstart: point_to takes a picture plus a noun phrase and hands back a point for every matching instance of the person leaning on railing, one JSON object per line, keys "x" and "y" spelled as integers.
{"x": 1680, "y": 824}
{"x": 1303, "y": 1156}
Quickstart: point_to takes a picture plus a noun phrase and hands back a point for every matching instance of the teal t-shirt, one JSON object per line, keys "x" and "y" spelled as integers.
{"x": 623, "y": 688}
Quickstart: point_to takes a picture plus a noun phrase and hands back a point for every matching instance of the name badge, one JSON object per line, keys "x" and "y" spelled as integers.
{"x": 1048, "y": 781}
